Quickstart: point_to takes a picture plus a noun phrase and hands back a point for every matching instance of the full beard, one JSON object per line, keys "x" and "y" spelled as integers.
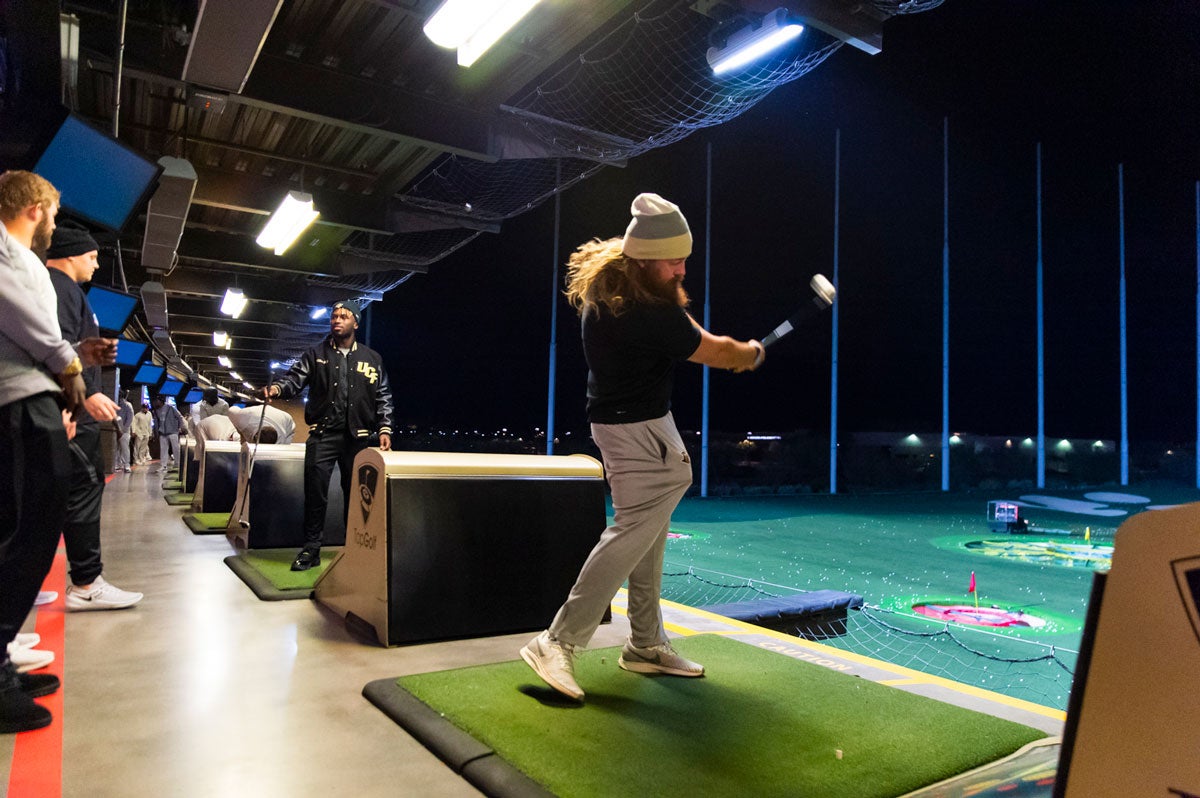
{"x": 672, "y": 291}
{"x": 40, "y": 241}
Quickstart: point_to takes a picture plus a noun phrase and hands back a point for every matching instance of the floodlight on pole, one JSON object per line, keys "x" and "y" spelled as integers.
{"x": 750, "y": 43}
{"x": 291, "y": 218}
{"x": 473, "y": 26}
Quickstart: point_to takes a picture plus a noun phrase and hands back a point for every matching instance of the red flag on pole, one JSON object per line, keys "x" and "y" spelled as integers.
{"x": 971, "y": 588}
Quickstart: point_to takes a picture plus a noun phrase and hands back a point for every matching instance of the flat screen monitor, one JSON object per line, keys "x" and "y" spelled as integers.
{"x": 102, "y": 180}
{"x": 170, "y": 387}
{"x": 149, "y": 374}
{"x": 130, "y": 353}
{"x": 112, "y": 308}
{"x": 194, "y": 395}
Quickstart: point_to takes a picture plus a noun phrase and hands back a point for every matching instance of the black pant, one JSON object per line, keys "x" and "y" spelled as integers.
{"x": 34, "y": 472}
{"x": 82, "y": 529}
{"x": 320, "y": 453}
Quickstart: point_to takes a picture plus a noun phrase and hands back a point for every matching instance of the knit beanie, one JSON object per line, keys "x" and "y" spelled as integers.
{"x": 70, "y": 240}
{"x": 658, "y": 230}
{"x": 351, "y": 306}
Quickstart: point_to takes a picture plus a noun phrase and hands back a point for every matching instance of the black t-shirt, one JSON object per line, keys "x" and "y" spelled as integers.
{"x": 631, "y": 360}
{"x": 77, "y": 322}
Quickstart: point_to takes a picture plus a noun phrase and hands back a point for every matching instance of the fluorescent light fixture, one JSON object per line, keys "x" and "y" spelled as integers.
{"x": 276, "y": 365}
{"x": 219, "y": 337}
{"x": 291, "y": 218}
{"x": 234, "y": 302}
{"x": 473, "y": 26}
{"x": 224, "y": 361}
{"x": 318, "y": 313}
{"x": 248, "y": 385}
{"x": 748, "y": 44}
{"x": 235, "y": 375}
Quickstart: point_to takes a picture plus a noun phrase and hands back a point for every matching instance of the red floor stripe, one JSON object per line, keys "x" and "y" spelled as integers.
{"x": 37, "y": 755}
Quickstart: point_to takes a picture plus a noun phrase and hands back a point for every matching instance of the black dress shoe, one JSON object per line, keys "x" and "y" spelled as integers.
{"x": 18, "y": 711}
{"x": 36, "y": 685}
{"x": 307, "y": 558}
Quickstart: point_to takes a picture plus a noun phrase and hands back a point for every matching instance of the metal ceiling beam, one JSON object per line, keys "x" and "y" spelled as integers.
{"x": 257, "y": 289}
{"x": 373, "y": 214}
{"x": 289, "y": 86}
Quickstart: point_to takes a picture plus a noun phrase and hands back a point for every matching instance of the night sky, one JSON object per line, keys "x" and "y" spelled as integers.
{"x": 1097, "y": 83}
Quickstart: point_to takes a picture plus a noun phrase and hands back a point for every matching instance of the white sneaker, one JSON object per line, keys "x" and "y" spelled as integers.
{"x": 26, "y": 640}
{"x": 554, "y": 662}
{"x": 28, "y": 659}
{"x": 102, "y": 596}
{"x": 45, "y": 597}
{"x": 657, "y": 659}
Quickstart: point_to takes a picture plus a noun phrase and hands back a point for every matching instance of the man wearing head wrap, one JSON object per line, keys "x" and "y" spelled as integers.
{"x": 73, "y": 258}
{"x": 349, "y": 404}
{"x": 629, "y": 294}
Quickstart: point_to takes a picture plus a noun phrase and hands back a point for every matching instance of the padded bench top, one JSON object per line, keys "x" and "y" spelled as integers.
{"x": 782, "y": 607}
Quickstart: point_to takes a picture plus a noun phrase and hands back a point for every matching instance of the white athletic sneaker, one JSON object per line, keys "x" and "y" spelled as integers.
{"x": 657, "y": 659}
{"x": 28, "y": 659}
{"x": 102, "y": 596}
{"x": 45, "y": 597}
{"x": 26, "y": 639}
{"x": 554, "y": 662}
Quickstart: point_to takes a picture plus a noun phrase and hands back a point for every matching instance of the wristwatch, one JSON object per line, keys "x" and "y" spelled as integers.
{"x": 73, "y": 368}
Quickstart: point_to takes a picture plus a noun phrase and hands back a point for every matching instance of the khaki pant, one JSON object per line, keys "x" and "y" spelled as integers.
{"x": 649, "y": 471}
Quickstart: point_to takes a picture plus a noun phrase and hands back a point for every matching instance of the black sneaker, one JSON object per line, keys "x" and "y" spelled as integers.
{"x": 18, "y": 711}
{"x": 307, "y": 558}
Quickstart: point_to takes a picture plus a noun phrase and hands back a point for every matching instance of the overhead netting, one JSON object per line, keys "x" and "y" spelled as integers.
{"x": 647, "y": 84}
{"x": 1003, "y": 664}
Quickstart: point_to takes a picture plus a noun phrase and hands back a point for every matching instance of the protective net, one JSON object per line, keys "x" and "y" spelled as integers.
{"x": 645, "y": 85}
{"x": 1007, "y": 665}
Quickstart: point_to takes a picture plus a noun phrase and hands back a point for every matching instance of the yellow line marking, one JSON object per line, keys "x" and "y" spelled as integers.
{"x": 905, "y": 675}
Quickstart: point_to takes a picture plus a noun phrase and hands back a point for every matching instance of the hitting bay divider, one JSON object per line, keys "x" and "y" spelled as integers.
{"x": 216, "y": 476}
{"x": 445, "y": 545}
{"x": 268, "y": 512}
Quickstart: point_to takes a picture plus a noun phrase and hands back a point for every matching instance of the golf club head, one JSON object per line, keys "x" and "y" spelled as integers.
{"x": 824, "y": 290}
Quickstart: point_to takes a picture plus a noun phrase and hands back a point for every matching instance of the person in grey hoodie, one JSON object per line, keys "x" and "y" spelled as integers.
{"x": 38, "y": 370}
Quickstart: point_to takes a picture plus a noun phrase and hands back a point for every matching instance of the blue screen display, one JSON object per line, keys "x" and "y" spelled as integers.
{"x": 194, "y": 395}
{"x": 130, "y": 353}
{"x": 170, "y": 387}
{"x": 112, "y": 308}
{"x": 149, "y": 374}
{"x": 101, "y": 180}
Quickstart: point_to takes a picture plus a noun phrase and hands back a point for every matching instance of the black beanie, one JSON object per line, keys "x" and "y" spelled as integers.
{"x": 350, "y": 305}
{"x": 70, "y": 239}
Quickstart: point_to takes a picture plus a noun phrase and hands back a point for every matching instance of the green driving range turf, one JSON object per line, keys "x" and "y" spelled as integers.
{"x": 759, "y": 723}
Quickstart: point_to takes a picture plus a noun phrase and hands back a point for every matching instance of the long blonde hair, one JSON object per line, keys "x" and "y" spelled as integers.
{"x": 598, "y": 273}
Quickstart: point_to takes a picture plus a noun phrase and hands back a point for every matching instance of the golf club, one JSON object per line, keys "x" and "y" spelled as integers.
{"x": 824, "y": 295}
{"x": 242, "y": 522}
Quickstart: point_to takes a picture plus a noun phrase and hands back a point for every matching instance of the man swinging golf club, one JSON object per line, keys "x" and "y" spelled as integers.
{"x": 349, "y": 402}
{"x": 630, "y": 297}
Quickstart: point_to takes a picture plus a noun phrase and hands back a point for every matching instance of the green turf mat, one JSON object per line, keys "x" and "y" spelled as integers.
{"x": 207, "y": 523}
{"x": 268, "y": 572}
{"x": 172, "y": 484}
{"x": 759, "y": 723}
{"x": 178, "y": 499}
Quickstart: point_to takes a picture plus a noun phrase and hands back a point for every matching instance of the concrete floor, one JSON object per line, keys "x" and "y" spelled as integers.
{"x": 204, "y": 690}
